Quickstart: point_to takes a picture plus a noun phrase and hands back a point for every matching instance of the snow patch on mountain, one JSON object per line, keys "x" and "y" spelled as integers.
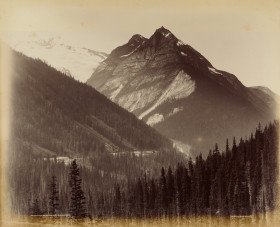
{"x": 214, "y": 71}
{"x": 167, "y": 34}
{"x": 180, "y": 43}
{"x": 154, "y": 119}
{"x": 75, "y": 61}
{"x": 181, "y": 87}
{"x": 175, "y": 110}
{"x": 126, "y": 55}
{"x": 164, "y": 31}
{"x": 184, "y": 54}
{"x": 157, "y": 118}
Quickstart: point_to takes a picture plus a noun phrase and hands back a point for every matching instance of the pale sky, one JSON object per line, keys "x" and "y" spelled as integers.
{"x": 241, "y": 37}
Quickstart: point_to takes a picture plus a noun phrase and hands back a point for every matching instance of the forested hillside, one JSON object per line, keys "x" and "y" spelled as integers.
{"x": 238, "y": 180}
{"x": 66, "y": 117}
{"x": 55, "y": 119}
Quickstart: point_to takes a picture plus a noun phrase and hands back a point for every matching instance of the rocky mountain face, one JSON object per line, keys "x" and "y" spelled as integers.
{"x": 179, "y": 92}
{"x": 77, "y": 62}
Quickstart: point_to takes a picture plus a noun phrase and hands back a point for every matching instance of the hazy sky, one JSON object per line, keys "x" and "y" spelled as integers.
{"x": 241, "y": 37}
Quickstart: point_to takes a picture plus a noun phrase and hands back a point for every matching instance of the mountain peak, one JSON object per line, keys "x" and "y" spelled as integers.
{"x": 164, "y": 32}
{"x": 137, "y": 39}
{"x": 166, "y": 82}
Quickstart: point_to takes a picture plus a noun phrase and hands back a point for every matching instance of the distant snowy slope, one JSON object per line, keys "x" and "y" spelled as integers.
{"x": 75, "y": 61}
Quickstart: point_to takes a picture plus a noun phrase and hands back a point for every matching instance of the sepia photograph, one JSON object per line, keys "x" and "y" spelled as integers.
{"x": 139, "y": 113}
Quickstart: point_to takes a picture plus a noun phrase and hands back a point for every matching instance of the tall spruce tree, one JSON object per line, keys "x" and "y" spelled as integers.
{"x": 117, "y": 201}
{"x": 180, "y": 192}
{"x": 139, "y": 198}
{"x": 53, "y": 197}
{"x": 163, "y": 192}
{"x": 146, "y": 196}
{"x": 35, "y": 208}
{"x": 170, "y": 191}
{"x": 77, "y": 203}
{"x": 153, "y": 198}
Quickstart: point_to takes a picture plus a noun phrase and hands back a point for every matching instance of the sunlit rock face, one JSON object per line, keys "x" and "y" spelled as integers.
{"x": 175, "y": 89}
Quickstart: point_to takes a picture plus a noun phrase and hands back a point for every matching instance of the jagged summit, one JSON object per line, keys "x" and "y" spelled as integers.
{"x": 163, "y": 30}
{"x": 162, "y": 35}
{"x": 127, "y": 49}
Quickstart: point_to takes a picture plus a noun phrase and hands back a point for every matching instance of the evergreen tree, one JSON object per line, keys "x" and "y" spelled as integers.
{"x": 163, "y": 192}
{"x": 35, "y": 208}
{"x": 90, "y": 207}
{"x": 170, "y": 191}
{"x": 180, "y": 192}
{"x": 146, "y": 196}
{"x": 153, "y": 198}
{"x": 53, "y": 197}
{"x": 187, "y": 191}
{"x": 77, "y": 203}
{"x": 139, "y": 198}
{"x": 117, "y": 201}
{"x": 227, "y": 146}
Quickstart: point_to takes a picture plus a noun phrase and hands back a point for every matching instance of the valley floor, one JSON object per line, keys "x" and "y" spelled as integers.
{"x": 269, "y": 219}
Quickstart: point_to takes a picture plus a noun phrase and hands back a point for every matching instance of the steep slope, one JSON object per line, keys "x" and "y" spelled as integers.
{"x": 266, "y": 95}
{"x": 58, "y": 116}
{"x": 174, "y": 88}
{"x": 77, "y": 62}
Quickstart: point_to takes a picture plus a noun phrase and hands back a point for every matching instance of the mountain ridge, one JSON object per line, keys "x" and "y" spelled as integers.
{"x": 165, "y": 81}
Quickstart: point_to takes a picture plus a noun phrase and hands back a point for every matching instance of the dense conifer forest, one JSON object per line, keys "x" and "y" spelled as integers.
{"x": 240, "y": 180}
